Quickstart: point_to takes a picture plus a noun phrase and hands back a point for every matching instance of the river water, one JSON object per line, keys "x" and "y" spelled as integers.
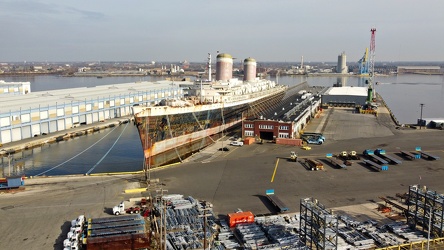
{"x": 402, "y": 93}
{"x": 119, "y": 149}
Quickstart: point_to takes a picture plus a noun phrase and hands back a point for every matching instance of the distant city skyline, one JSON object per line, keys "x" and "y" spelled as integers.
{"x": 173, "y": 31}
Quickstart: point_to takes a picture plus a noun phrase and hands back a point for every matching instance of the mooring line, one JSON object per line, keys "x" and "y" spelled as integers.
{"x": 109, "y": 150}
{"x": 75, "y": 156}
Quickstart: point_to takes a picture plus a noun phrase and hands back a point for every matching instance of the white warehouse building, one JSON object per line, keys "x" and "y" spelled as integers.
{"x": 45, "y": 112}
{"x": 345, "y": 96}
{"x": 14, "y": 88}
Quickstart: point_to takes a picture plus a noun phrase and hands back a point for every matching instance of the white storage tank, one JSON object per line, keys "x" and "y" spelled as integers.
{"x": 342, "y": 64}
{"x": 224, "y": 67}
{"x": 249, "y": 69}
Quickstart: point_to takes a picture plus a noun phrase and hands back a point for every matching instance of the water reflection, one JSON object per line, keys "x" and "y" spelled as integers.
{"x": 115, "y": 149}
{"x": 341, "y": 81}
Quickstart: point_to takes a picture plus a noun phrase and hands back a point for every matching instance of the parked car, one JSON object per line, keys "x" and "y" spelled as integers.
{"x": 224, "y": 149}
{"x": 237, "y": 143}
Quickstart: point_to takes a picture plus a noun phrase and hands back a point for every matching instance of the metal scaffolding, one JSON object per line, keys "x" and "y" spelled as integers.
{"x": 425, "y": 209}
{"x": 318, "y": 227}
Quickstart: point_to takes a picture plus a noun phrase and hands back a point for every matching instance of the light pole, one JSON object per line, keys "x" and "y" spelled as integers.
{"x": 430, "y": 224}
{"x": 420, "y": 119}
{"x": 9, "y": 163}
{"x": 205, "y": 215}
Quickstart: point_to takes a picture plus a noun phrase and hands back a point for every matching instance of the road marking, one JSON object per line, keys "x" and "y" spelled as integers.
{"x": 135, "y": 190}
{"x": 275, "y": 169}
{"x": 228, "y": 152}
{"x": 62, "y": 205}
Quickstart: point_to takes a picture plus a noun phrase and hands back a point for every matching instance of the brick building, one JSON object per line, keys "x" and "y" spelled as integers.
{"x": 267, "y": 129}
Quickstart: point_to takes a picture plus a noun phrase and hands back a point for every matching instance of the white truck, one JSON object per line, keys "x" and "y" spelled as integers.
{"x": 79, "y": 221}
{"x": 73, "y": 236}
{"x": 72, "y": 245}
{"x": 120, "y": 209}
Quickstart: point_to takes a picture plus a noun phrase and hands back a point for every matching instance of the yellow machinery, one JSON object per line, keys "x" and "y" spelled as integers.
{"x": 293, "y": 156}
{"x": 353, "y": 156}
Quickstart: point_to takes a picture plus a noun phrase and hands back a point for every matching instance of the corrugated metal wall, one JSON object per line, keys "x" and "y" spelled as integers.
{"x": 25, "y": 124}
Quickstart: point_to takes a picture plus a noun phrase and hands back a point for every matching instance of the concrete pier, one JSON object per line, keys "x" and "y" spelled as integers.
{"x": 18, "y": 146}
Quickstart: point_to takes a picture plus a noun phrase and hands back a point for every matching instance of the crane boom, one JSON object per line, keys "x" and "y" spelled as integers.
{"x": 363, "y": 64}
{"x": 372, "y": 60}
{"x": 371, "y": 93}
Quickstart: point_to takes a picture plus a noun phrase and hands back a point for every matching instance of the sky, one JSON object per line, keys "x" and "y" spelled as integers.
{"x": 178, "y": 30}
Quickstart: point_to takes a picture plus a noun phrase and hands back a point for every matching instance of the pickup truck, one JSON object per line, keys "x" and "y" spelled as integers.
{"x": 237, "y": 143}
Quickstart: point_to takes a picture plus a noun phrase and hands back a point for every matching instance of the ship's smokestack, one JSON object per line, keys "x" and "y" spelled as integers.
{"x": 249, "y": 69}
{"x": 224, "y": 67}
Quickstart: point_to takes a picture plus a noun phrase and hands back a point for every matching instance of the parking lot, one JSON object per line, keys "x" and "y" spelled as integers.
{"x": 240, "y": 176}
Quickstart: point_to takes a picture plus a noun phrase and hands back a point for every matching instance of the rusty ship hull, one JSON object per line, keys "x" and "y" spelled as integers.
{"x": 170, "y": 134}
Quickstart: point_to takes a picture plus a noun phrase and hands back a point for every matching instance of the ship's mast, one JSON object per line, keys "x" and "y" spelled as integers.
{"x": 200, "y": 90}
{"x": 209, "y": 67}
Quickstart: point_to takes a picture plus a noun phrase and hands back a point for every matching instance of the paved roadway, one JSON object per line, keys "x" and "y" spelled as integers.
{"x": 39, "y": 217}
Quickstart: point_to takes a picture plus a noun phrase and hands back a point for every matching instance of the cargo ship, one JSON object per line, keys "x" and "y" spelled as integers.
{"x": 175, "y": 128}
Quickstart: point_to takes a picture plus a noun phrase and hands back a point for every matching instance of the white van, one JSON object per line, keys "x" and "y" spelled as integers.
{"x": 236, "y": 143}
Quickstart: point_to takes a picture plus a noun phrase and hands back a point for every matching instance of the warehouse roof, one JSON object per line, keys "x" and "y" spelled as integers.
{"x": 419, "y": 67}
{"x": 347, "y": 90}
{"x": 52, "y": 97}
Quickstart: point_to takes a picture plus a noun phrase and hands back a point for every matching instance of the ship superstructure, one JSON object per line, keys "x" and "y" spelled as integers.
{"x": 176, "y": 128}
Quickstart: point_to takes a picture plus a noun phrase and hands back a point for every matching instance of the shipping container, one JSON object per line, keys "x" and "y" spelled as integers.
{"x": 249, "y": 140}
{"x": 285, "y": 141}
{"x": 241, "y": 217}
